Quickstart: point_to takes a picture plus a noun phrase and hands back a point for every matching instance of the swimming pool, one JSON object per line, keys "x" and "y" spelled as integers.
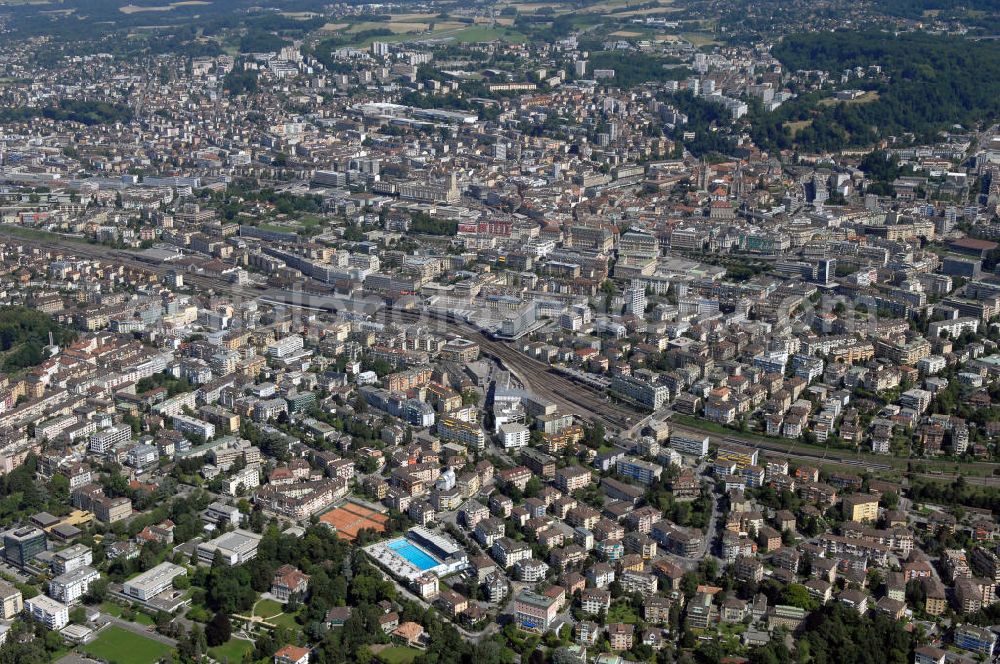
{"x": 413, "y": 554}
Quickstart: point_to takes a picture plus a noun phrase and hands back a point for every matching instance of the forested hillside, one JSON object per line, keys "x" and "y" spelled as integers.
{"x": 930, "y": 82}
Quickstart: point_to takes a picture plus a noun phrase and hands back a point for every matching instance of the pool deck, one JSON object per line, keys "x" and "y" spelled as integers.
{"x": 414, "y": 554}
{"x": 396, "y": 563}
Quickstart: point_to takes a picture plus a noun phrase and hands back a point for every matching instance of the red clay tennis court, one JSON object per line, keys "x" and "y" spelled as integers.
{"x": 351, "y": 518}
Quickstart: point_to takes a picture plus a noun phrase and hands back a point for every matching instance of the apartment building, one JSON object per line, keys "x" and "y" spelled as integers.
{"x": 535, "y": 612}
{"x": 71, "y": 586}
{"x": 51, "y": 613}
{"x": 643, "y": 472}
{"x": 572, "y": 478}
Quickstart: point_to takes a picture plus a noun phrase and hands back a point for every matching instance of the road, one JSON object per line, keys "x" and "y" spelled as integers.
{"x": 712, "y": 531}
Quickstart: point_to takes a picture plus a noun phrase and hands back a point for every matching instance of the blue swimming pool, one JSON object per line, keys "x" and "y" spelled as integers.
{"x": 413, "y": 554}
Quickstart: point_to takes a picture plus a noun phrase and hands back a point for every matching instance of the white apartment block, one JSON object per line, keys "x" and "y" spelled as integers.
{"x": 248, "y": 478}
{"x": 49, "y": 429}
{"x": 103, "y": 441}
{"x": 175, "y": 405}
{"x": 514, "y": 435}
{"x": 68, "y": 588}
{"x": 72, "y": 558}
{"x": 954, "y": 327}
{"x": 286, "y": 346}
{"x": 49, "y": 612}
{"x": 190, "y": 425}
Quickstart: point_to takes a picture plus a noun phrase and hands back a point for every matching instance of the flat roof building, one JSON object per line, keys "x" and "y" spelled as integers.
{"x": 70, "y": 587}
{"x": 22, "y": 544}
{"x": 151, "y": 583}
{"x": 49, "y": 612}
{"x": 534, "y": 611}
{"x": 236, "y": 547}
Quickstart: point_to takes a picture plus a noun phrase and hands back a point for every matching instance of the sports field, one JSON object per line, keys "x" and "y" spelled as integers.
{"x": 120, "y": 645}
{"x": 351, "y": 518}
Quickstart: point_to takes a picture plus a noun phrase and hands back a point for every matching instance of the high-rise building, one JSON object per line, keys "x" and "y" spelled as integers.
{"x": 826, "y": 270}
{"x": 23, "y": 544}
{"x": 635, "y": 299}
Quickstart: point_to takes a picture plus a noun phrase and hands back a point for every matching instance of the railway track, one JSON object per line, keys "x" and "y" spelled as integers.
{"x": 846, "y": 459}
{"x": 537, "y": 376}
{"x": 568, "y": 395}
{"x": 581, "y": 399}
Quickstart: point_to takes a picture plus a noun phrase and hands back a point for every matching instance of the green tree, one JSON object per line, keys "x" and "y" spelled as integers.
{"x": 795, "y": 594}
{"x": 218, "y": 630}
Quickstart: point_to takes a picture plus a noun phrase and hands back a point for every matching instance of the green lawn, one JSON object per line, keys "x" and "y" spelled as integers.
{"x": 112, "y": 609}
{"x": 699, "y": 39}
{"x": 266, "y": 608}
{"x": 143, "y": 619}
{"x": 286, "y": 620}
{"x": 621, "y": 612}
{"x": 231, "y": 651}
{"x": 116, "y": 610}
{"x": 273, "y": 612}
{"x": 119, "y": 645}
{"x": 398, "y": 655}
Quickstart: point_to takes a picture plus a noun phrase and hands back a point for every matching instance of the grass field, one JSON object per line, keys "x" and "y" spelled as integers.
{"x": 425, "y": 17}
{"x": 277, "y": 228}
{"x": 310, "y": 221}
{"x": 646, "y": 12}
{"x": 408, "y": 27}
{"x": 119, "y": 645}
{"x": 457, "y": 32}
{"x": 700, "y": 39}
{"x": 231, "y": 651}
{"x": 285, "y": 620}
{"x": 531, "y": 7}
{"x": 610, "y": 6}
{"x": 481, "y": 33}
{"x": 398, "y": 655}
{"x": 112, "y": 609}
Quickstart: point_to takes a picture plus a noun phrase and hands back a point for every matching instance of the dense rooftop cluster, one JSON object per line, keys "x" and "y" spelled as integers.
{"x": 451, "y": 334}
